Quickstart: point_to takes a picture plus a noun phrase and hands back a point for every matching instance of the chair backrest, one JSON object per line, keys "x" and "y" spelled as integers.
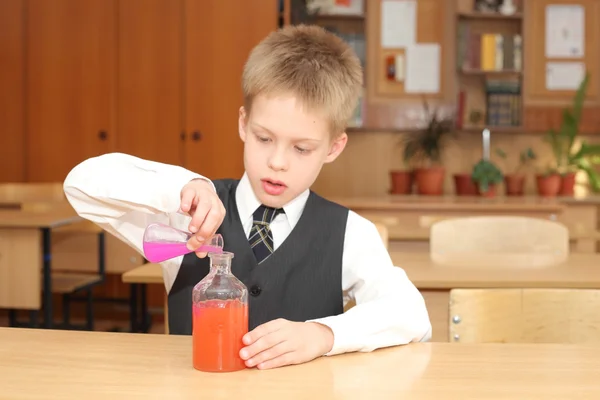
{"x": 524, "y": 316}
{"x": 383, "y": 232}
{"x": 488, "y": 241}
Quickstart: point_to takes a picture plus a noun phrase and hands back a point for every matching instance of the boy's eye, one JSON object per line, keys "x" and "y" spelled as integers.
{"x": 301, "y": 150}
{"x": 263, "y": 139}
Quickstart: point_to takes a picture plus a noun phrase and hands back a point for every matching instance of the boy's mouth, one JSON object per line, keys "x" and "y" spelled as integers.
{"x": 273, "y": 187}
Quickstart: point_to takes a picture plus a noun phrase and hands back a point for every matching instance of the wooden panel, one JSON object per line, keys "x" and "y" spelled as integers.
{"x": 12, "y": 107}
{"x": 150, "y": 79}
{"x": 20, "y": 268}
{"x": 541, "y": 119}
{"x": 431, "y": 28}
{"x": 70, "y": 84}
{"x": 213, "y": 78}
{"x": 535, "y": 59}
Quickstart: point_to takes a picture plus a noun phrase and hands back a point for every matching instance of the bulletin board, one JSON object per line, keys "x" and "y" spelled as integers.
{"x": 388, "y": 55}
{"x": 547, "y": 69}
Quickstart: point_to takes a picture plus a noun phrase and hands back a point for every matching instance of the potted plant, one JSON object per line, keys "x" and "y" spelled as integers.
{"x": 486, "y": 176}
{"x": 423, "y": 149}
{"x": 402, "y": 181}
{"x": 514, "y": 183}
{"x": 570, "y": 158}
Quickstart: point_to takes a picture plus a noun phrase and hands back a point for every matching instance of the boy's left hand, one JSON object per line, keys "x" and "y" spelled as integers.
{"x": 281, "y": 342}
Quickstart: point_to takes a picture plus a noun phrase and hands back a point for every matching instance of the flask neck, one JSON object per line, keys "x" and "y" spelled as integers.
{"x": 220, "y": 263}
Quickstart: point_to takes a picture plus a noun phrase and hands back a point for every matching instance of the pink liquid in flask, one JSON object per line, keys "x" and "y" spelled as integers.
{"x": 163, "y": 242}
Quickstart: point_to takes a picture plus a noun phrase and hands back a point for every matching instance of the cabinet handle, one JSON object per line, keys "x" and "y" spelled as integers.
{"x": 196, "y": 136}
{"x": 102, "y": 135}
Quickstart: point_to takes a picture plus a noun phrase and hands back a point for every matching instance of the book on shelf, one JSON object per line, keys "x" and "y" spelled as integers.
{"x": 488, "y": 51}
{"x": 503, "y": 102}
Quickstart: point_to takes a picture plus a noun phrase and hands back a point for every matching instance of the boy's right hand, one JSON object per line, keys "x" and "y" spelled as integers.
{"x": 199, "y": 200}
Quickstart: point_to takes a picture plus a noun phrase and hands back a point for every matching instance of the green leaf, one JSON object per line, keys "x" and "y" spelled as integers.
{"x": 593, "y": 177}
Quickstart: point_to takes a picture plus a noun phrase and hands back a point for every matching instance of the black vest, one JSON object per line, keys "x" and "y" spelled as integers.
{"x": 301, "y": 280}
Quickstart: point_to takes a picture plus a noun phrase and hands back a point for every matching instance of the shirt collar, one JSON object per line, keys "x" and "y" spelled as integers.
{"x": 247, "y": 202}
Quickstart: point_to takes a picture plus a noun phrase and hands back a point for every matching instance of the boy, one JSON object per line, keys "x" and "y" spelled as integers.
{"x": 301, "y": 257}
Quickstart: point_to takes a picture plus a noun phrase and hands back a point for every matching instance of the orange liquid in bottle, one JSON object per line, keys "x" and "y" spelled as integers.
{"x": 218, "y": 328}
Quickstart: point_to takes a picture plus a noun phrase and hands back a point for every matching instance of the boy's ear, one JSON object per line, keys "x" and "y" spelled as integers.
{"x": 337, "y": 146}
{"x": 242, "y": 124}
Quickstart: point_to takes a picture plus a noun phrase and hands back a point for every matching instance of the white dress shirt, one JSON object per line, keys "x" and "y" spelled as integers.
{"x": 123, "y": 194}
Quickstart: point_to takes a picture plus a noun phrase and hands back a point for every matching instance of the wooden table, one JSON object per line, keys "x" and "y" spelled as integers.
{"x": 26, "y": 257}
{"x": 409, "y": 218}
{"x": 96, "y": 365}
{"x": 75, "y": 252}
{"x": 140, "y": 277}
{"x": 435, "y": 282}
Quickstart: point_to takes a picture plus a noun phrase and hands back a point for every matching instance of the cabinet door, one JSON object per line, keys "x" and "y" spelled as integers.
{"x": 150, "y": 79}
{"x": 70, "y": 84}
{"x": 219, "y": 36}
{"x": 12, "y": 149}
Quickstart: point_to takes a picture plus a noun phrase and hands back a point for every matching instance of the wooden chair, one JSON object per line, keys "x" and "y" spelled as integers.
{"x": 491, "y": 241}
{"x": 69, "y": 283}
{"x": 524, "y": 316}
{"x": 383, "y": 232}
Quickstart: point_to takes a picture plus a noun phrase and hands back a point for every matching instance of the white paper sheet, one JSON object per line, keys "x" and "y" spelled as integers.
{"x": 564, "y": 75}
{"x": 422, "y": 68}
{"x": 398, "y": 23}
{"x": 565, "y": 31}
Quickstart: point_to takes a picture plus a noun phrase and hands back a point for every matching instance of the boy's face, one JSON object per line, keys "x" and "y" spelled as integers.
{"x": 285, "y": 148}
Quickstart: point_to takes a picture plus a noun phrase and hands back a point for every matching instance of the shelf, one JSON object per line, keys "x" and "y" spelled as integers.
{"x": 490, "y": 72}
{"x": 353, "y": 17}
{"x": 494, "y": 129}
{"x": 480, "y": 15}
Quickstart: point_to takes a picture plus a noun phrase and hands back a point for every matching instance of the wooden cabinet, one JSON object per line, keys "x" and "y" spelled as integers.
{"x": 219, "y": 37}
{"x": 70, "y": 84}
{"x": 159, "y": 79}
{"x": 150, "y": 54}
{"x": 12, "y": 107}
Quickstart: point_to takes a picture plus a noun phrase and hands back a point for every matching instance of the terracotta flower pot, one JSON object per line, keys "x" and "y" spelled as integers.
{"x": 567, "y": 184}
{"x": 402, "y": 182}
{"x": 464, "y": 185}
{"x": 491, "y": 192}
{"x": 548, "y": 185}
{"x": 514, "y": 184}
{"x": 430, "y": 181}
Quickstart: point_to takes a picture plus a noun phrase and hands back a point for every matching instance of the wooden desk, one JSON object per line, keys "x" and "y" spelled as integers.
{"x": 14, "y": 194}
{"x": 73, "y": 252}
{"x": 96, "y": 365}
{"x": 435, "y": 281}
{"x": 24, "y": 264}
{"x": 408, "y": 218}
{"x": 139, "y": 277}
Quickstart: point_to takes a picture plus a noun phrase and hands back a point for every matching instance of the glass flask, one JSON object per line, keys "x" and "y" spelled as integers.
{"x": 220, "y": 317}
{"x": 163, "y": 242}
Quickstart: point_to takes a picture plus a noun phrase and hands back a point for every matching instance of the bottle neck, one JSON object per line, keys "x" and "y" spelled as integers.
{"x": 220, "y": 264}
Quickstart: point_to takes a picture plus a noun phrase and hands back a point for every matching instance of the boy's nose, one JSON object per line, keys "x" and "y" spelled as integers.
{"x": 278, "y": 161}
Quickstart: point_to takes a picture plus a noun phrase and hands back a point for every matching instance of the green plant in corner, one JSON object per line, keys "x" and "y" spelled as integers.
{"x": 486, "y": 173}
{"x": 569, "y": 158}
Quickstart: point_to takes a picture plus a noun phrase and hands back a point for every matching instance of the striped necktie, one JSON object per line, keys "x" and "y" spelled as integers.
{"x": 261, "y": 237}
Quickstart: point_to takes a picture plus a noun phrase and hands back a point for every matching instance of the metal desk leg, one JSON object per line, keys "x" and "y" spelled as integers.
{"x": 133, "y": 308}
{"x": 46, "y": 251}
{"x": 145, "y": 320}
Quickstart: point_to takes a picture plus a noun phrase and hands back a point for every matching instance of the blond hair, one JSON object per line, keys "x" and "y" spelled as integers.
{"x": 314, "y": 65}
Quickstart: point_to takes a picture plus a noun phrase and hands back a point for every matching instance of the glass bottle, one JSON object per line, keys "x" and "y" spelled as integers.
{"x": 220, "y": 317}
